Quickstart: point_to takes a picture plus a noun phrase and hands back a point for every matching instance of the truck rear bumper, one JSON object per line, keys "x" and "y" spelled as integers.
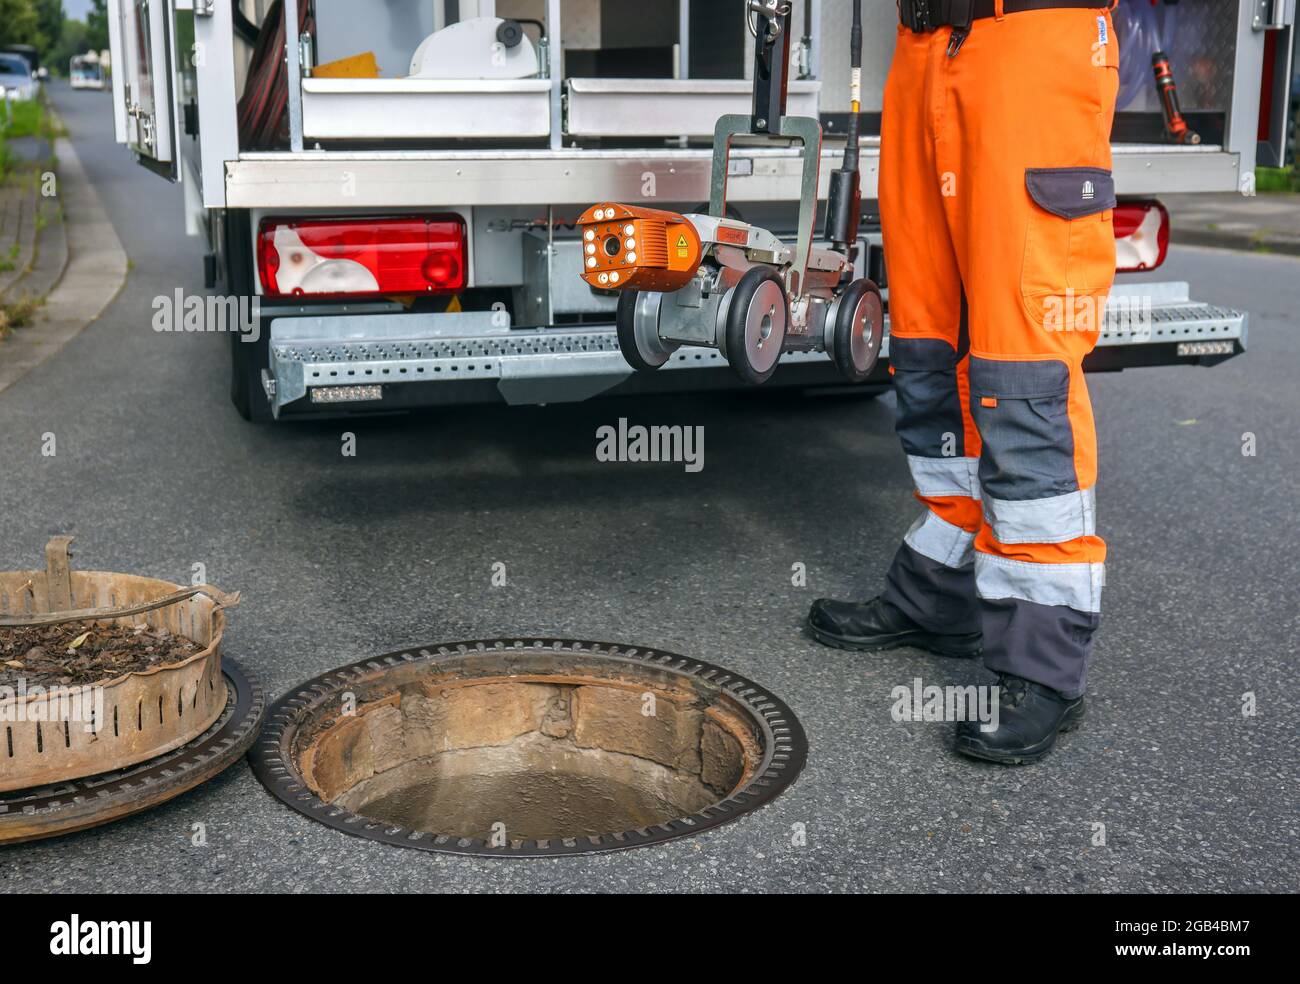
{"x": 382, "y": 361}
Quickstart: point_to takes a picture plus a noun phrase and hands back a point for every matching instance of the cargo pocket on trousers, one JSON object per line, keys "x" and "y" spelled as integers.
{"x": 1069, "y": 258}
{"x": 1022, "y": 410}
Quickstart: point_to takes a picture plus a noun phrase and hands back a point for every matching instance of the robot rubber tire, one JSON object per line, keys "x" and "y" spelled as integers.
{"x": 754, "y": 331}
{"x": 856, "y": 330}
{"x": 637, "y": 322}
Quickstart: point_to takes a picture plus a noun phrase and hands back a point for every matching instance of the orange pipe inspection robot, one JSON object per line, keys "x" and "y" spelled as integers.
{"x": 715, "y": 281}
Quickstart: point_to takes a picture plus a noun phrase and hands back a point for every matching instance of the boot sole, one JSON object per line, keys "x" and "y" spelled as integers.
{"x": 1073, "y": 718}
{"x": 920, "y": 640}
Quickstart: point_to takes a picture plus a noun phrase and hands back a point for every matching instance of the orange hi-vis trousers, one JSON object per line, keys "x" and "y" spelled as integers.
{"x": 996, "y": 196}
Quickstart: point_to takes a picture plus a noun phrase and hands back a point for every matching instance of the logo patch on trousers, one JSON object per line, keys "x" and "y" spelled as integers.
{"x": 1103, "y": 32}
{"x": 1089, "y": 192}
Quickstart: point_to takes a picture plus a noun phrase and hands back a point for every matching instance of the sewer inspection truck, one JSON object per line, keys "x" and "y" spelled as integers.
{"x": 397, "y": 184}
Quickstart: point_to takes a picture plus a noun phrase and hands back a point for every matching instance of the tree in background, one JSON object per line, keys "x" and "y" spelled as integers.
{"x": 35, "y": 22}
{"x": 18, "y": 22}
{"x": 72, "y": 41}
{"x": 49, "y": 23}
{"x": 97, "y": 25}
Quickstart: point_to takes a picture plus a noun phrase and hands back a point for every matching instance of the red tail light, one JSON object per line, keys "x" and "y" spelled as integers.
{"x": 1141, "y": 236}
{"x": 337, "y": 257}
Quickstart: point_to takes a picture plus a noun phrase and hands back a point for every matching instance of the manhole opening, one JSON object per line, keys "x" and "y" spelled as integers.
{"x": 533, "y": 749}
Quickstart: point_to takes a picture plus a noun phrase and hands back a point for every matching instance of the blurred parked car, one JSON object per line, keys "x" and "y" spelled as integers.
{"x": 16, "y": 77}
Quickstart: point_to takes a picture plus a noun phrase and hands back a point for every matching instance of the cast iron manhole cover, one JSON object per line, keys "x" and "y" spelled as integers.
{"x": 75, "y": 804}
{"x": 528, "y": 748}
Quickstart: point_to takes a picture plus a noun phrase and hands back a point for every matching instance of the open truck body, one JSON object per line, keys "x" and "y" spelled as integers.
{"x": 620, "y": 107}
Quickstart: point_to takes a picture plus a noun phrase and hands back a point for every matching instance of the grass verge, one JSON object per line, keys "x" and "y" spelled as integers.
{"x": 1274, "y": 179}
{"x": 31, "y": 118}
{"x": 18, "y": 313}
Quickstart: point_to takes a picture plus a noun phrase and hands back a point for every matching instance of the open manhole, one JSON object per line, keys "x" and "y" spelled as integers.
{"x": 528, "y": 749}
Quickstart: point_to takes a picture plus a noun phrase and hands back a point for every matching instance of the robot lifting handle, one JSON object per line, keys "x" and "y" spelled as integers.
{"x": 769, "y": 22}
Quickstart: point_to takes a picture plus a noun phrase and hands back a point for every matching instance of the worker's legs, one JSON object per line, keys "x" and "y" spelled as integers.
{"x": 1025, "y": 128}
{"x": 932, "y": 577}
{"x": 929, "y": 597}
{"x": 995, "y": 174}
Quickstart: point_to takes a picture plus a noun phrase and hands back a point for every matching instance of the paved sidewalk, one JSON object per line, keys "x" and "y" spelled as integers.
{"x": 90, "y": 271}
{"x": 32, "y": 234}
{"x": 18, "y": 208}
{"x": 1267, "y": 223}
{"x": 33, "y": 247}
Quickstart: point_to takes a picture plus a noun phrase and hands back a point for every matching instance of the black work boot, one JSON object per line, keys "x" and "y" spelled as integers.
{"x": 876, "y": 624}
{"x": 1030, "y": 716}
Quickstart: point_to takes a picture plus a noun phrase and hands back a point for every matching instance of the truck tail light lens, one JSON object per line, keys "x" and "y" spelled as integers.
{"x": 347, "y": 257}
{"x": 1141, "y": 236}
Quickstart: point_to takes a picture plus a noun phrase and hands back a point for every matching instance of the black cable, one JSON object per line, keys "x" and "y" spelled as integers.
{"x": 844, "y": 202}
{"x": 851, "y": 153}
{"x": 244, "y": 27}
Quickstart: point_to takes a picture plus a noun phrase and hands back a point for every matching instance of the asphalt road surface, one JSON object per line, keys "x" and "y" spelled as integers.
{"x": 340, "y": 558}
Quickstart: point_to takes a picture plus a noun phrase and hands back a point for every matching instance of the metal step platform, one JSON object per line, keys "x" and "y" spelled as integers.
{"x": 355, "y": 360}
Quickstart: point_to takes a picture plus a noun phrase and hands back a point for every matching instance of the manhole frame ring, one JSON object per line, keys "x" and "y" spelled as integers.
{"x": 162, "y": 778}
{"x": 277, "y": 773}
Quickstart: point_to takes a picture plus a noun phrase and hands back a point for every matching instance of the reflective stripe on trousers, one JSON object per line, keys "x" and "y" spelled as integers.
{"x": 939, "y": 477}
{"x": 934, "y": 537}
{"x": 1076, "y": 586}
{"x": 1054, "y": 519}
